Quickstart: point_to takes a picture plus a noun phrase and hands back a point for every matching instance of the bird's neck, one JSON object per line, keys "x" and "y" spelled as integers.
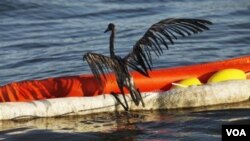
{"x": 111, "y": 43}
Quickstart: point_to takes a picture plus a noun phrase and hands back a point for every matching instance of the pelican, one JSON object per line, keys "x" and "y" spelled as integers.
{"x": 159, "y": 36}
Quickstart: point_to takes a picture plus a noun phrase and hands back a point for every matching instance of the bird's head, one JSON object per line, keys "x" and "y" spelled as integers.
{"x": 111, "y": 27}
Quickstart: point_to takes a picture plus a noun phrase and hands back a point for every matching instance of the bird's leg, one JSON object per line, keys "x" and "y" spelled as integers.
{"x": 142, "y": 102}
{"x": 125, "y": 100}
{"x": 133, "y": 94}
{"x": 119, "y": 101}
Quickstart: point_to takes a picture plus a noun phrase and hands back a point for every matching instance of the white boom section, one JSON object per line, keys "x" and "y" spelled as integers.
{"x": 195, "y": 96}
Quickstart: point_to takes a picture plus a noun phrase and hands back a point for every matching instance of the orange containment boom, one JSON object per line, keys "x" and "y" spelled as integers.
{"x": 86, "y": 85}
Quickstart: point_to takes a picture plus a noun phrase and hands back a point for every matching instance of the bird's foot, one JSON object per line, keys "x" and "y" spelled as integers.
{"x": 119, "y": 101}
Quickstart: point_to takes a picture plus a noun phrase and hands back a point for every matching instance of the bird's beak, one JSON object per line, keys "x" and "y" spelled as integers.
{"x": 106, "y": 30}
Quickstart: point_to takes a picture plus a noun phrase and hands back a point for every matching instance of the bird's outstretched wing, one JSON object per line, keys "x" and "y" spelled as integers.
{"x": 160, "y": 35}
{"x": 100, "y": 65}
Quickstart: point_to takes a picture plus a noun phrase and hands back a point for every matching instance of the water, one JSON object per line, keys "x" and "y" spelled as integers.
{"x": 40, "y": 39}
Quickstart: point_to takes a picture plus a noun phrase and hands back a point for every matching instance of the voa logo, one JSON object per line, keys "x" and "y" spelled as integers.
{"x": 236, "y": 132}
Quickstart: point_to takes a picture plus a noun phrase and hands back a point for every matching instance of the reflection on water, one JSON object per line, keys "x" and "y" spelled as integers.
{"x": 182, "y": 124}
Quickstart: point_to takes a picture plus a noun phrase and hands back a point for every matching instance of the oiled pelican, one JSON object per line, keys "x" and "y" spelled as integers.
{"x": 159, "y": 35}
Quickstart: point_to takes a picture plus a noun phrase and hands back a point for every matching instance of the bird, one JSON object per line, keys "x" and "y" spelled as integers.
{"x": 158, "y": 37}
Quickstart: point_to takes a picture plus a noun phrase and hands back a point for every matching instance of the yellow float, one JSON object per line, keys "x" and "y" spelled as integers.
{"x": 227, "y": 74}
{"x": 222, "y": 75}
{"x": 187, "y": 82}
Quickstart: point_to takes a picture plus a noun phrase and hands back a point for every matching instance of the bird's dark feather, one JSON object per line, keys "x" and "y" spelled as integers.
{"x": 100, "y": 65}
{"x": 160, "y": 35}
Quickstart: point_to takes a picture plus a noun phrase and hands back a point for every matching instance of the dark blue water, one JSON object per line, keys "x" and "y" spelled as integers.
{"x": 40, "y": 39}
